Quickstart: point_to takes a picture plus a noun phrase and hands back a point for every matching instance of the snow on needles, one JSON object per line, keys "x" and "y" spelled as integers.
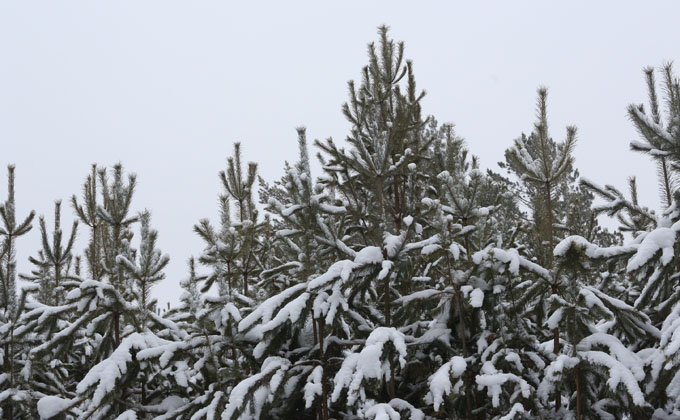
{"x": 658, "y": 239}
{"x": 440, "y": 381}
{"x": 370, "y": 363}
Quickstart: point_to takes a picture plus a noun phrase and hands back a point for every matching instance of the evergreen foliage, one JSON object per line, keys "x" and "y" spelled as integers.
{"x": 402, "y": 281}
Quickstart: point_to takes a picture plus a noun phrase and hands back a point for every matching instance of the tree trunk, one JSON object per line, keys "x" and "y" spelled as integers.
{"x": 7, "y": 406}
{"x": 116, "y": 328}
{"x": 555, "y": 290}
{"x": 324, "y": 388}
{"x": 7, "y": 409}
{"x": 578, "y": 395}
{"x": 463, "y": 339}
{"x": 143, "y": 393}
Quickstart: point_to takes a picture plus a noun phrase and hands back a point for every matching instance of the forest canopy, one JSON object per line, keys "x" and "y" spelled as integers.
{"x": 402, "y": 281}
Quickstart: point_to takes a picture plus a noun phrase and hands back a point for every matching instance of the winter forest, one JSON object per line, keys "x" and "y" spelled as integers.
{"x": 402, "y": 281}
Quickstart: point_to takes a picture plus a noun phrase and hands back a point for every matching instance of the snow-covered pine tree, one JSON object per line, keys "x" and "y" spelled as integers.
{"x": 651, "y": 257}
{"x": 97, "y": 307}
{"x": 145, "y": 271}
{"x": 214, "y": 354}
{"x": 660, "y": 130}
{"x": 557, "y": 206}
{"x": 50, "y": 374}
{"x": 116, "y": 235}
{"x": 372, "y": 182}
{"x": 469, "y": 301}
{"x": 541, "y": 165}
{"x": 309, "y": 224}
{"x": 239, "y": 186}
{"x": 88, "y": 215}
{"x": 13, "y": 227}
{"x": 403, "y": 283}
{"x": 54, "y": 262}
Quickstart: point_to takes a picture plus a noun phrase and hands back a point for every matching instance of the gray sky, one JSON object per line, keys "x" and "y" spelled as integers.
{"x": 166, "y": 87}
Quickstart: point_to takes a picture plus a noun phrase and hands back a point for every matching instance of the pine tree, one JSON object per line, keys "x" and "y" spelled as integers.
{"x": 88, "y": 215}
{"x": 216, "y": 356}
{"x": 54, "y": 268}
{"x": 404, "y": 282}
{"x": 309, "y": 231}
{"x": 147, "y": 270}
{"x": 659, "y": 135}
{"x": 96, "y": 307}
{"x": 54, "y": 260}
{"x": 11, "y": 229}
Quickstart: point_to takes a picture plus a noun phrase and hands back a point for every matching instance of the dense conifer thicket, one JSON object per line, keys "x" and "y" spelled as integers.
{"x": 400, "y": 282}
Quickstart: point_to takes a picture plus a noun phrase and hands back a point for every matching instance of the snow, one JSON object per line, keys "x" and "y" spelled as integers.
{"x": 265, "y": 311}
{"x": 420, "y": 295}
{"x": 455, "y": 249}
{"x": 393, "y": 243}
{"x": 482, "y": 211}
{"x": 513, "y": 260}
{"x": 659, "y": 239}
{"x": 313, "y": 386}
{"x": 50, "y": 406}
{"x": 343, "y": 269}
{"x": 127, "y": 415}
{"x": 440, "y": 382}
{"x": 289, "y": 211}
{"x": 617, "y": 350}
{"x": 575, "y": 241}
{"x": 290, "y": 312}
{"x": 476, "y": 298}
{"x": 369, "y": 255}
{"x": 382, "y": 412}
{"x": 254, "y": 384}
{"x": 492, "y": 379}
{"x": 618, "y": 374}
{"x": 103, "y": 376}
{"x": 431, "y": 249}
{"x": 553, "y": 374}
{"x": 401, "y": 405}
{"x": 368, "y": 364}
{"x": 554, "y": 319}
{"x": 332, "y": 209}
{"x": 516, "y": 409}
{"x": 385, "y": 270}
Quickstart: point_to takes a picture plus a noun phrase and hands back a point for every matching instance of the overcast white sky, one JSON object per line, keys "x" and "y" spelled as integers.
{"x": 166, "y": 87}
